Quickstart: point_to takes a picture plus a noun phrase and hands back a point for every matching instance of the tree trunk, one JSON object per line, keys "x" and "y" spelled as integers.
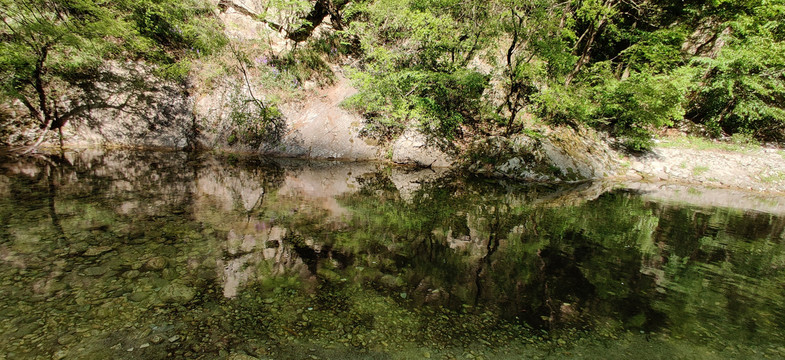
{"x": 585, "y": 53}
{"x": 38, "y": 76}
{"x": 320, "y": 10}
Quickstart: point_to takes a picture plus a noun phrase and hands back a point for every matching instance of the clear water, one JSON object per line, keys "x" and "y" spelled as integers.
{"x": 144, "y": 255}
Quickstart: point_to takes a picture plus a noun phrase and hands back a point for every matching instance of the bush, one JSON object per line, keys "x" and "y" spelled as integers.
{"x": 253, "y": 123}
{"x": 639, "y": 104}
{"x": 440, "y": 102}
{"x": 743, "y": 90}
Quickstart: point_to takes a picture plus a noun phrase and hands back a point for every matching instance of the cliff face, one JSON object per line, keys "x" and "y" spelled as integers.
{"x": 129, "y": 107}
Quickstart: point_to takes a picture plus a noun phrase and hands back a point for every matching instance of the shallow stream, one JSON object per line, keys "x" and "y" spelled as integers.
{"x": 158, "y": 255}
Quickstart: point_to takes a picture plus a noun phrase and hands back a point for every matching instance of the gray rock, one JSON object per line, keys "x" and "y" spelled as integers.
{"x": 562, "y": 154}
{"x": 412, "y": 148}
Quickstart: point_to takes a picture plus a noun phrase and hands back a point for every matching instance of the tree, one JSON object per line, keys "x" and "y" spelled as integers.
{"x": 537, "y": 50}
{"x": 54, "y": 53}
{"x": 742, "y": 89}
{"x": 416, "y": 64}
{"x": 50, "y": 45}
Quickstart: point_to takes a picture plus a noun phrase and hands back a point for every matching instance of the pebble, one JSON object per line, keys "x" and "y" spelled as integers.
{"x": 156, "y": 263}
{"x": 156, "y": 339}
{"x": 174, "y": 338}
{"x": 66, "y": 339}
{"x": 95, "y": 251}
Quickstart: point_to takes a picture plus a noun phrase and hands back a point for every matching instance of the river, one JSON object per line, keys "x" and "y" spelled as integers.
{"x": 159, "y": 255}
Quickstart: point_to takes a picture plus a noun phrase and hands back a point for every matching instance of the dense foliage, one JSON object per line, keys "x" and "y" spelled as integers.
{"x": 629, "y": 67}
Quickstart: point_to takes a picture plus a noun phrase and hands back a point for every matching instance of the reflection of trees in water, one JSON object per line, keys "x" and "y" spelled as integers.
{"x": 585, "y": 264}
{"x": 722, "y": 266}
{"x": 538, "y": 255}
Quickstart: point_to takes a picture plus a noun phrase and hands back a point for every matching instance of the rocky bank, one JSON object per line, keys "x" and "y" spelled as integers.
{"x": 137, "y": 110}
{"x": 758, "y": 169}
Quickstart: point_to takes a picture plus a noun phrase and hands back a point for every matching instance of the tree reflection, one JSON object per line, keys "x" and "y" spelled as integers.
{"x": 260, "y": 254}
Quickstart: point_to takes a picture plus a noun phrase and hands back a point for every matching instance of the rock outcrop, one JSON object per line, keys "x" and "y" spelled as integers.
{"x": 562, "y": 154}
{"x": 412, "y": 147}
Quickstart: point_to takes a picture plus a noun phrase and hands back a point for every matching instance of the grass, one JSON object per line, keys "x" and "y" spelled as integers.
{"x": 699, "y": 170}
{"x": 776, "y": 176}
{"x": 736, "y": 144}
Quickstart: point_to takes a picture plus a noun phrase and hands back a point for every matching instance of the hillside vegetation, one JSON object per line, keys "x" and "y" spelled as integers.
{"x": 625, "y": 66}
{"x": 452, "y": 68}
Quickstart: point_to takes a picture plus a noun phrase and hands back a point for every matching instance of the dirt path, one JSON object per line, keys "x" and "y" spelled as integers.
{"x": 749, "y": 168}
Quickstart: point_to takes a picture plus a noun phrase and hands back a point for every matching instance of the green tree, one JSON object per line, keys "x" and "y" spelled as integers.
{"x": 54, "y": 52}
{"x": 49, "y": 45}
{"x": 415, "y": 64}
{"x": 742, "y": 90}
{"x": 539, "y": 37}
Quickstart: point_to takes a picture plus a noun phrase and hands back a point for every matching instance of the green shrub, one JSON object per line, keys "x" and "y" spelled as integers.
{"x": 182, "y": 26}
{"x": 253, "y": 123}
{"x": 302, "y": 65}
{"x": 743, "y": 90}
{"x": 439, "y": 102}
{"x": 635, "y": 106}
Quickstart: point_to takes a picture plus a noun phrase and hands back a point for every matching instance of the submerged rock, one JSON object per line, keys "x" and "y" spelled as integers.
{"x": 98, "y": 250}
{"x": 96, "y": 271}
{"x": 176, "y": 293}
{"x": 238, "y": 356}
{"x": 156, "y": 263}
{"x": 138, "y": 296}
{"x": 131, "y": 274}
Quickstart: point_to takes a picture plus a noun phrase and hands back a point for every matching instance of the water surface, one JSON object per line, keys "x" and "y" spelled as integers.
{"x": 145, "y": 255}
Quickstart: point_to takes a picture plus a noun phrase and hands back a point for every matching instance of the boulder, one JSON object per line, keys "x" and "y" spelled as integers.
{"x": 176, "y": 293}
{"x": 413, "y": 148}
{"x": 561, "y": 154}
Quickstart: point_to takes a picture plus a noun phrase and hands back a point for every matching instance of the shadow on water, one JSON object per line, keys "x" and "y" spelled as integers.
{"x": 172, "y": 255}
